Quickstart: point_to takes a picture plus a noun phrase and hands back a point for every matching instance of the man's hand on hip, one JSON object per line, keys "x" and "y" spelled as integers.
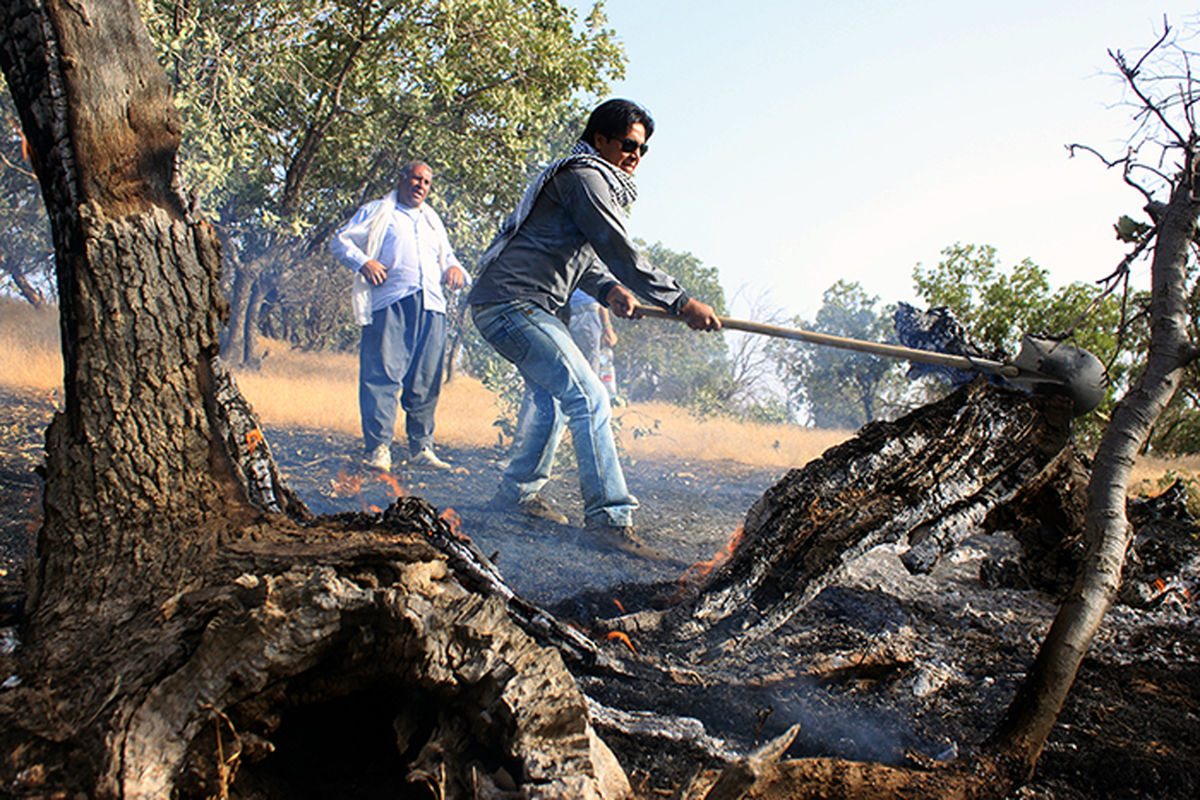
{"x": 374, "y": 272}
{"x": 700, "y": 316}
{"x": 454, "y": 278}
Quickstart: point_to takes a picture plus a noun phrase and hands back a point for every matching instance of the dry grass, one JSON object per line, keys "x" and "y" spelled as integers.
{"x": 658, "y": 430}
{"x": 319, "y": 391}
{"x": 31, "y": 359}
{"x": 1151, "y": 468}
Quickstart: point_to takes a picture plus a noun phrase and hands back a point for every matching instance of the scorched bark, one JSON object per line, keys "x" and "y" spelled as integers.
{"x": 174, "y": 592}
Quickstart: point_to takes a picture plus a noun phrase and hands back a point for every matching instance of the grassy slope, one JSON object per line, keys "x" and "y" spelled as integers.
{"x": 319, "y": 390}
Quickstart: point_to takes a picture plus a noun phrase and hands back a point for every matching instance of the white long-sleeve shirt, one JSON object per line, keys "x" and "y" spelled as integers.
{"x": 414, "y": 247}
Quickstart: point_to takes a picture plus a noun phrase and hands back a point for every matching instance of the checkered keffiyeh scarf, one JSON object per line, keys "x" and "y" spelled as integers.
{"x": 620, "y": 185}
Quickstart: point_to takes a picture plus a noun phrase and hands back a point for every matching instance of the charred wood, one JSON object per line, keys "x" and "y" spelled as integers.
{"x": 929, "y": 479}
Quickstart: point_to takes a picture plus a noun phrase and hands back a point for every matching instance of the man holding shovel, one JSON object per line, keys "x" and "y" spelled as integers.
{"x": 567, "y": 233}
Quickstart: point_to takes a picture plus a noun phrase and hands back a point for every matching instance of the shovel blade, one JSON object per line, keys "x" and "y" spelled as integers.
{"x": 1050, "y": 367}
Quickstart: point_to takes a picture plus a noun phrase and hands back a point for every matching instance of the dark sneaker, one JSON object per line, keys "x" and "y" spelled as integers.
{"x": 538, "y": 507}
{"x": 535, "y": 506}
{"x": 623, "y": 538}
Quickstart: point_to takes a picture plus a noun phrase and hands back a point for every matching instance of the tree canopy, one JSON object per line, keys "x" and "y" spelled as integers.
{"x": 839, "y": 389}
{"x": 297, "y": 113}
{"x": 998, "y": 306}
{"x": 667, "y": 361}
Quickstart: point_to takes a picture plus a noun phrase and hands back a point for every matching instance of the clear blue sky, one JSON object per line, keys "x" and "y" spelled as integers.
{"x": 802, "y": 142}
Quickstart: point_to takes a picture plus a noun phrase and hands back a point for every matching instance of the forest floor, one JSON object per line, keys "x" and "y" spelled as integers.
{"x": 1131, "y": 725}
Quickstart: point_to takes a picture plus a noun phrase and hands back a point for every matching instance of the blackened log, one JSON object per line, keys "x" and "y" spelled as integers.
{"x": 929, "y": 478}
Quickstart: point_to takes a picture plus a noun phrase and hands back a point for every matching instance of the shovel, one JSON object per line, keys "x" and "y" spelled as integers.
{"x": 1043, "y": 366}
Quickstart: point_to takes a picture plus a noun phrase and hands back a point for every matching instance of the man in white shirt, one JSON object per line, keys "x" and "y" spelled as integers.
{"x": 399, "y": 245}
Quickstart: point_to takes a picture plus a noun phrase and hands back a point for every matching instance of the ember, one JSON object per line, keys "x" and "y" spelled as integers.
{"x": 346, "y": 485}
{"x": 623, "y": 637}
{"x": 697, "y": 572}
{"x": 390, "y": 480}
{"x": 451, "y": 518}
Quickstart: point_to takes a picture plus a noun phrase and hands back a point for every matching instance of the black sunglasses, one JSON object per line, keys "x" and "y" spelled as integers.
{"x": 629, "y": 145}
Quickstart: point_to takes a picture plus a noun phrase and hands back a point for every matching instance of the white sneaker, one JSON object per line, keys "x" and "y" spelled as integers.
{"x": 426, "y": 458}
{"x": 380, "y": 458}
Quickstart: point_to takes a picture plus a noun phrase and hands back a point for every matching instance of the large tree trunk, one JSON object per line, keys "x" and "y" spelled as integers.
{"x": 178, "y": 614}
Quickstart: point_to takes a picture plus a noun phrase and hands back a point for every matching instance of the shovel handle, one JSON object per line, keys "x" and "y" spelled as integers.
{"x": 829, "y": 340}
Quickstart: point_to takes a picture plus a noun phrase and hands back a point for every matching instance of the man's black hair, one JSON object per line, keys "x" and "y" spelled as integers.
{"x": 612, "y": 119}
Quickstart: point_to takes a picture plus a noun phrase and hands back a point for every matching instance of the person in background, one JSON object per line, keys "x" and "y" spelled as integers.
{"x": 400, "y": 247}
{"x": 591, "y": 327}
{"x": 568, "y": 233}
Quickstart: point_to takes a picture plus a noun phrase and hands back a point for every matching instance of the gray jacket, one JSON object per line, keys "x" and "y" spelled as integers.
{"x": 574, "y": 237}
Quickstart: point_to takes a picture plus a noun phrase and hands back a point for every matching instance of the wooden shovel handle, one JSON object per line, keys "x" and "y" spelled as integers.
{"x": 828, "y": 340}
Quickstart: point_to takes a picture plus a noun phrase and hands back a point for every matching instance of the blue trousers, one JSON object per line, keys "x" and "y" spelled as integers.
{"x": 401, "y": 356}
{"x": 562, "y": 385}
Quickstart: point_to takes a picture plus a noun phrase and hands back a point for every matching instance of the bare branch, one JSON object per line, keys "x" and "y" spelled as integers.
{"x": 1130, "y": 74}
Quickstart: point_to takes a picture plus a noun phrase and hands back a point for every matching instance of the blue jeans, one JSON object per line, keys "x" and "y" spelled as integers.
{"x": 562, "y": 384}
{"x": 401, "y": 354}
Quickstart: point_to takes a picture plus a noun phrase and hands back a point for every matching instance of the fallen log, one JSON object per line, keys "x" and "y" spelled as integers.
{"x": 929, "y": 479}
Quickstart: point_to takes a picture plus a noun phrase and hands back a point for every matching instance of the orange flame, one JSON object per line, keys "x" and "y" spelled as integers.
{"x": 617, "y": 603}
{"x": 346, "y": 485}
{"x": 451, "y": 518}
{"x": 700, "y": 570}
{"x": 623, "y": 637}
{"x": 253, "y": 439}
{"x": 375, "y": 509}
{"x": 390, "y": 480}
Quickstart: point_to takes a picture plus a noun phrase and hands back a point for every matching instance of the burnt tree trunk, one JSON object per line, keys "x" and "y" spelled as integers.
{"x": 1035, "y": 709}
{"x": 929, "y": 479}
{"x": 184, "y": 615}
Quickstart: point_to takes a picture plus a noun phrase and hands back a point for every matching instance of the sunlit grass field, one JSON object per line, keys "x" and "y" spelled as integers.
{"x": 319, "y": 391}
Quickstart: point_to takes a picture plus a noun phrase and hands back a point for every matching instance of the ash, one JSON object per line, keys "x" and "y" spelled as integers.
{"x": 881, "y": 665}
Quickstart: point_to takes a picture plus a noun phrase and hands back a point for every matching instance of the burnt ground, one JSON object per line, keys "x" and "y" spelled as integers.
{"x": 877, "y": 665}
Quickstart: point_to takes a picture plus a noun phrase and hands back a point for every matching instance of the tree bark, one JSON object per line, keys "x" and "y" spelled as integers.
{"x": 252, "y": 323}
{"x": 177, "y": 610}
{"x": 1034, "y": 710}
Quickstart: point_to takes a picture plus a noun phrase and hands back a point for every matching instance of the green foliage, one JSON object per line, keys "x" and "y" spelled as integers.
{"x": 27, "y": 258}
{"x": 840, "y": 389}
{"x": 769, "y": 411}
{"x": 995, "y": 308}
{"x": 1130, "y": 230}
{"x": 502, "y": 378}
{"x": 664, "y": 360}
{"x": 297, "y": 111}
